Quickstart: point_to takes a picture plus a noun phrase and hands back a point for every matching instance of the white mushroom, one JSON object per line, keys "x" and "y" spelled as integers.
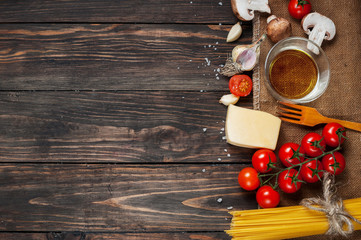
{"x": 322, "y": 28}
{"x": 244, "y": 9}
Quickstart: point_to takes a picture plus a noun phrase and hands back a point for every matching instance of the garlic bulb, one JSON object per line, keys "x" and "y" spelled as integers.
{"x": 244, "y": 58}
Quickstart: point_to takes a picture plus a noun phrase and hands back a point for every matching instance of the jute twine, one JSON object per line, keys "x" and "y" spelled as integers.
{"x": 333, "y": 207}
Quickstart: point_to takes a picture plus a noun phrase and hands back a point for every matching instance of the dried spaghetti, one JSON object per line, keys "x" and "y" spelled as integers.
{"x": 285, "y": 222}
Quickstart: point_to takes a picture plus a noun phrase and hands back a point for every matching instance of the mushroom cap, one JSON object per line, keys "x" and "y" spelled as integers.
{"x": 278, "y": 28}
{"x": 315, "y": 19}
{"x": 244, "y": 9}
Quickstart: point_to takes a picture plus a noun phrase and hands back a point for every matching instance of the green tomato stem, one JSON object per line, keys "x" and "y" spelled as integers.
{"x": 298, "y": 165}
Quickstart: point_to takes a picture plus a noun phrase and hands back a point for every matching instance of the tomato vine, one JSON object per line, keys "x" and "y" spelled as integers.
{"x": 305, "y": 162}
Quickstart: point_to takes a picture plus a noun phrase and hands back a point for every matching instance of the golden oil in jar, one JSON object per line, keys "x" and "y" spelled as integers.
{"x": 293, "y": 74}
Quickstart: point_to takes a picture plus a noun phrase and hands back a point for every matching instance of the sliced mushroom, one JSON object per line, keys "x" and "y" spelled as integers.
{"x": 318, "y": 27}
{"x": 244, "y": 9}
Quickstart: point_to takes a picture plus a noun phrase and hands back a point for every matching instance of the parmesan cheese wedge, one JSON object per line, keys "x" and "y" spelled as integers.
{"x": 251, "y": 128}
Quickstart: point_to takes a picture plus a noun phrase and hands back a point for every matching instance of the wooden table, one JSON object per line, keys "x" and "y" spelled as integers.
{"x": 110, "y": 122}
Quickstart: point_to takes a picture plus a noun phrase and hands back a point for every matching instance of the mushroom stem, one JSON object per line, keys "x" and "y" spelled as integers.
{"x": 317, "y": 35}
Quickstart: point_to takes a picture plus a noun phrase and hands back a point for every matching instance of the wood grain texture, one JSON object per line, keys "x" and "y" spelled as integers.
{"x": 136, "y": 126}
{"x": 110, "y": 126}
{"x": 135, "y": 11}
{"x": 115, "y": 236}
{"x": 119, "y": 198}
{"x": 114, "y": 56}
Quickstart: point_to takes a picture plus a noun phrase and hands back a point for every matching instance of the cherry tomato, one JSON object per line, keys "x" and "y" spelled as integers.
{"x": 313, "y": 144}
{"x": 262, "y": 160}
{"x": 267, "y": 197}
{"x": 240, "y": 85}
{"x": 291, "y": 154}
{"x": 299, "y": 8}
{"x": 248, "y": 179}
{"x": 334, "y": 164}
{"x": 289, "y": 181}
{"x": 311, "y": 172}
{"x": 330, "y": 134}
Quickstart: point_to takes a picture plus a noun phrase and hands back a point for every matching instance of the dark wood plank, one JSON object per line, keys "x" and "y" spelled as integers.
{"x": 120, "y": 198}
{"x": 115, "y": 236}
{"x": 25, "y": 236}
{"x": 114, "y": 56}
{"x": 139, "y": 11}
{"x": 126, "y": 126}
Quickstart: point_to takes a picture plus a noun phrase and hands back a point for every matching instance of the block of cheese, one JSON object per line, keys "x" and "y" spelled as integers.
{"x": 251, "y": 128}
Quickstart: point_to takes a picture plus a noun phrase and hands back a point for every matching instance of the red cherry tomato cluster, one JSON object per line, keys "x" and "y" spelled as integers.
{"x": 305, "y": 162}
{"x": 263, "y": 161}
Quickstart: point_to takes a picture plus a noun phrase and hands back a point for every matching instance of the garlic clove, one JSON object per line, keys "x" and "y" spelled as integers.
{"x": 229, "y": 99}
{"x": 234, "y": 33}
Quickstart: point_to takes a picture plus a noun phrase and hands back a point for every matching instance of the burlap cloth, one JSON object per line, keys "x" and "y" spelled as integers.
{"x": 341, "y": 100}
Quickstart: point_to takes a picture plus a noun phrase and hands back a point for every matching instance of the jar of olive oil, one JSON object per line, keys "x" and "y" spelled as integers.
{"x": 294, "y": 73}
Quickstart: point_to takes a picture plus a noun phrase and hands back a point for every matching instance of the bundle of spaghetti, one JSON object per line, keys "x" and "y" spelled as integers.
{"x": 285, "y": 222}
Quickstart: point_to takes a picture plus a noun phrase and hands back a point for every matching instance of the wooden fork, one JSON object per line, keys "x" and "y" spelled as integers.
{"x": 310, "y": 116}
